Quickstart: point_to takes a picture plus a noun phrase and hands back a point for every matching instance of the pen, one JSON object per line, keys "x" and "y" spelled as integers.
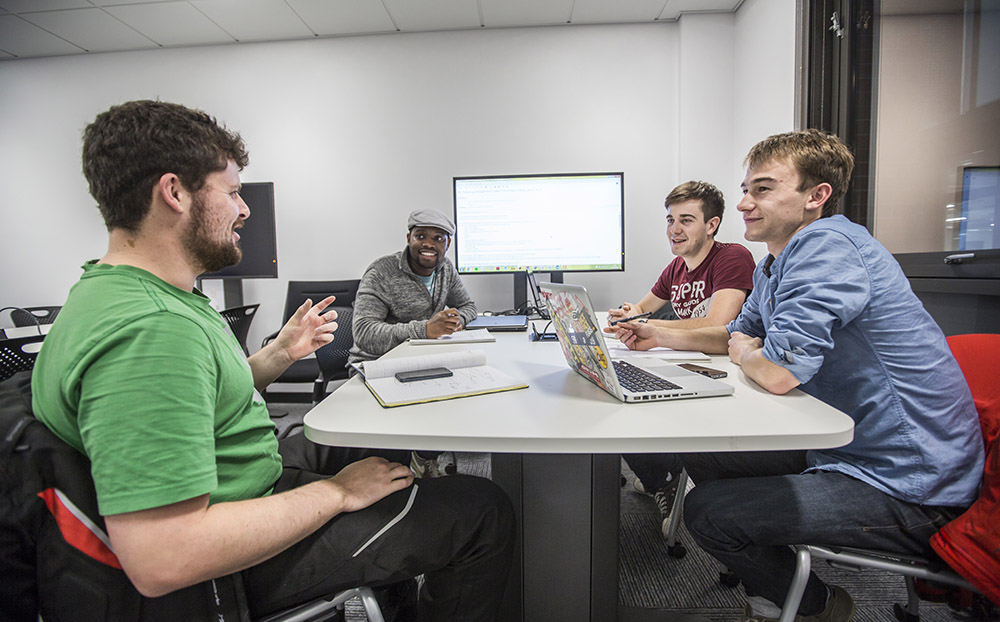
{"x": 633, "y": 318}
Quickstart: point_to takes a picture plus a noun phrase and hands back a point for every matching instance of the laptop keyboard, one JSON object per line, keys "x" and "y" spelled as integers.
{"x": 639, "y": 380}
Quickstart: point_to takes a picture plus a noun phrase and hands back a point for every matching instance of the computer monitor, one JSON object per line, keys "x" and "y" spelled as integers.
{"x": 980, "y": 219}
{"x": 563, "y": 222}
{"x": 257, "y": 237}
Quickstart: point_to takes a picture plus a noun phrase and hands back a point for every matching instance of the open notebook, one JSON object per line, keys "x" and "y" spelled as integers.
{"x": 470, "y": 376}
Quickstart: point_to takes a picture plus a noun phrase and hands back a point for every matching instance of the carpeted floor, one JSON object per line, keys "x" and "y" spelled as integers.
{"x": 650, "y": 578}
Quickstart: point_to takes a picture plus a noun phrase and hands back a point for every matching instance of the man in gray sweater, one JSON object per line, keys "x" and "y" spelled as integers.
{"x": 413, "y": 293}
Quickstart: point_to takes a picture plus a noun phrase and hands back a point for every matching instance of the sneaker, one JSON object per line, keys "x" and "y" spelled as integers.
{"x": 839, "y": 608}
{"x": 431, "y": 467}
{"x": 638, "y": 487}
{"x": 664, "y": 499}
{"x": 750, "y": 616}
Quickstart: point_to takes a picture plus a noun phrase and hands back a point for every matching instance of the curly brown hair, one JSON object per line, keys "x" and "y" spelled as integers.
{"x": 130, "y": 146}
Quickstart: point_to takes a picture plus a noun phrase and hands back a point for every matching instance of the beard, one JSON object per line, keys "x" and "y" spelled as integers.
{"x": 205, "y": 249}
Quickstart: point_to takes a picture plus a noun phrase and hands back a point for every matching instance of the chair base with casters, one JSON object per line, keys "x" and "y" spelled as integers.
{"x": 911, "y": 568}
{"x": 325, "y": 608}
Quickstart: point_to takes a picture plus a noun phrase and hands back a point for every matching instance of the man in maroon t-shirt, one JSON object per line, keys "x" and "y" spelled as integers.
{"x": 707, "y": 281}
{"x": 706, "y": 284}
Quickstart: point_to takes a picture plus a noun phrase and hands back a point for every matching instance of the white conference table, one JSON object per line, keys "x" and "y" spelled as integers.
{"x": 555, "y": 449}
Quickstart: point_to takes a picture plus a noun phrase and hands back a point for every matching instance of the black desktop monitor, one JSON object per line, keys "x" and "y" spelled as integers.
{"x": 566, "y": 222}
{"x": 257, "y": 237}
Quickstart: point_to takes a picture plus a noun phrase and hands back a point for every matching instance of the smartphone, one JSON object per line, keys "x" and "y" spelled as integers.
{"x": 423, "y": 374}
{"x": 704, "y": 371}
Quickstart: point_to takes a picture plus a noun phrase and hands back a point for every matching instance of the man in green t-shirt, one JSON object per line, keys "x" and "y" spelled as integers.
{"x": 144, "y": 377}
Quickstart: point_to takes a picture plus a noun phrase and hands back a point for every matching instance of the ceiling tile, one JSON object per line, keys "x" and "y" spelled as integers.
{"x": 120, "y": 2}
{"x": 254, "y": 20}
{"x": 326, "y": 17}
{"x": 500, "y": 13}
{"x": 26, "y": 6}
{"x": 674, "y": 8}
{"x": 20, "y": 38}
{"x": 603, "y": 12}
{"x": 92, "y": 29}
{"x": 412, "y": 16}
{"x": 170, "y": 23}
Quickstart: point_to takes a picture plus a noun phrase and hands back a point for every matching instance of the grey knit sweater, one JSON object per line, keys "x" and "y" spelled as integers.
{"x": 393, "y": 304}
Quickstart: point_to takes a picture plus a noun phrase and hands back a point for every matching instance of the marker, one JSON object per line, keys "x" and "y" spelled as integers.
{"x": 633, "y": 318}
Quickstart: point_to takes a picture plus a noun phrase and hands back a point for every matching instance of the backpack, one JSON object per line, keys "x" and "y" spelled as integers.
{"x": 55, "y": 555}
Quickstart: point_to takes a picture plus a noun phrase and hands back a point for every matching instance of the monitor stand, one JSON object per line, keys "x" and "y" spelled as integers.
{"x": 521, "y": 286}
{"x": 232, "y": 291}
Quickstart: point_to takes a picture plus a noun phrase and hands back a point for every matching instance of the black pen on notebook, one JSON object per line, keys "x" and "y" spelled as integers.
{"x": 633, "y": 318}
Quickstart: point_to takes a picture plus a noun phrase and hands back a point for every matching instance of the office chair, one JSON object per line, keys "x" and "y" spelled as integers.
{"x": 979, "y": 358}
{"x": 239, "y": 320}
{"x": 19, "y": 354}
{"x": 308, "y": 369}
{"x": 332, "y": 358}
{"x": 30, "y": 316}
{"x": 55, "y": 558}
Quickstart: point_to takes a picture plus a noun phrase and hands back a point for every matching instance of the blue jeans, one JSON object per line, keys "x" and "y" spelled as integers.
{"x": 748, "y": 507}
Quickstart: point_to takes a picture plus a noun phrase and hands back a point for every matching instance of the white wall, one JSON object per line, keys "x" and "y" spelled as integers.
{"x": 356, "y": 132}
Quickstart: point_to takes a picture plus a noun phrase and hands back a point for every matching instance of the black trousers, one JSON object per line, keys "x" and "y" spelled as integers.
{"x": 457, "y": 531}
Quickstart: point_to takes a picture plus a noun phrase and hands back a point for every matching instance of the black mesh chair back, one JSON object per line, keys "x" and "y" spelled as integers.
{"x": 239, "y": 320}
{"x": 18, "y": 354}
{"x": 308, "y": 369}
{"x": 332, "y": 357}
{"x": 299, "y": 291}
{"x": 29, "y": 316}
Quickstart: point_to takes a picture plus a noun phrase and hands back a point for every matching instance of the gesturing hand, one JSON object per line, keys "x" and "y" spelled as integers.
{"x": 636, "y": 335}
{"x": 308, "y": 329}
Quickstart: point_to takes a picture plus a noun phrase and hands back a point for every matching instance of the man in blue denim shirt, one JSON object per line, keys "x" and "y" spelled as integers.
{"x": 832, "y": 314}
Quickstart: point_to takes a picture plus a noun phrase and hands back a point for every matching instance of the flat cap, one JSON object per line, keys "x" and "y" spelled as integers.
{"x": 431, "y": 218}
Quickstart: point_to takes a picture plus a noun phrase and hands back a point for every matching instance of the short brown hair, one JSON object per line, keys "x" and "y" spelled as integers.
{"x": 712, "y": 201}
{"x": 130, "y": 146}
{"x": 817, "y": 156}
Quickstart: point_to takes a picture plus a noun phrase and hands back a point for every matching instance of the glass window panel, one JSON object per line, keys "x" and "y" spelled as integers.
{"x": 938, "y": 125}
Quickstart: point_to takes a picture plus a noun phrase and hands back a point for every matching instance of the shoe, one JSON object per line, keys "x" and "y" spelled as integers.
{"x": 431, "y": 467}
{"x": 749, "y": 616}
{"x": 664, "y": 499}
{"x": 839, "y": 608}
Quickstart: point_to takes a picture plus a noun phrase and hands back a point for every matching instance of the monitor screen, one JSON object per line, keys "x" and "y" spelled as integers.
{"x": 541, "y": 223}
{"x": 980, "y": 219}
{"x": 257, "y": 238}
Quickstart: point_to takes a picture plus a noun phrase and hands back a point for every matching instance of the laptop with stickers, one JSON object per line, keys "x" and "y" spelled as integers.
{"x": 587, "y": 353}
